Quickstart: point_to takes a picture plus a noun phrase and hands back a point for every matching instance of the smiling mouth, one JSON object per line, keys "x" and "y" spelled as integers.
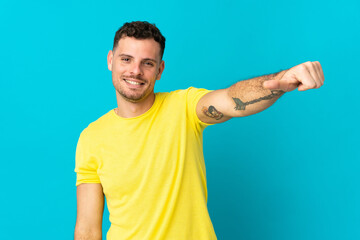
{"x": 133, "y": 82}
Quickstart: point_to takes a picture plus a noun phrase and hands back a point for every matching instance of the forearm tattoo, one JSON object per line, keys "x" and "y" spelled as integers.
{"x": 241, "y": 105}
{"x": 212, "y": 112}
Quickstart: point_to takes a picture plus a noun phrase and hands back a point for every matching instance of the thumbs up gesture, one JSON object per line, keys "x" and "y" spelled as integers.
{"x": 305, "y": 76}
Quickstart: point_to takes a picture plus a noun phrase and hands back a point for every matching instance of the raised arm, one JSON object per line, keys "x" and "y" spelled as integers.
{"x": 255, "y": 95}
{"x": 90, "y": 208}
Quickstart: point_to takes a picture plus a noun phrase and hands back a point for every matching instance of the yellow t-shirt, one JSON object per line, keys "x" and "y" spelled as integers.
{"x": 151, "y": 168}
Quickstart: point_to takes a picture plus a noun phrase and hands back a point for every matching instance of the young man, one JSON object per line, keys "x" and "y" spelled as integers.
{"x": 146, "y": 155}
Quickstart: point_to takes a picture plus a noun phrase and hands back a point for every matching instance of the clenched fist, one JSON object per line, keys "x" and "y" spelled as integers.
{"x": 304, "y": 76}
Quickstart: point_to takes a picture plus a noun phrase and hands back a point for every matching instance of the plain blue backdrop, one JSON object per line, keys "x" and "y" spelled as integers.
{"x": 290, "y": 172}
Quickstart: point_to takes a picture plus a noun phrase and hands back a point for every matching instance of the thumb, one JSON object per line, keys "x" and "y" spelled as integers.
{"x": 272, "y": 84}
{"x": 279, "y": 85}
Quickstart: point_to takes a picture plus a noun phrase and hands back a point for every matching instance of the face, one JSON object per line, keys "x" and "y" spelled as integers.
{"x": 135, "y": 65}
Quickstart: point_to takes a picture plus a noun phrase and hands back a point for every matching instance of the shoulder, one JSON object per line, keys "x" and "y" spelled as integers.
{"x": 98, "y": 126}
{"x": 189, "y": 93}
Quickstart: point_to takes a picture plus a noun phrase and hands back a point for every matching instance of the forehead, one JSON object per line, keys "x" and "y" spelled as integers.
{"x": 138, "y": 48}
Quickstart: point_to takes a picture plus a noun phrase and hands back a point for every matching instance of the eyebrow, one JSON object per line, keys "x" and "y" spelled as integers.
{"x": 129, "y": 56}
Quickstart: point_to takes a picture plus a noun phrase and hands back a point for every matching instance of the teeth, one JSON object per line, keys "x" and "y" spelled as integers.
{"x": 132, "y": 82}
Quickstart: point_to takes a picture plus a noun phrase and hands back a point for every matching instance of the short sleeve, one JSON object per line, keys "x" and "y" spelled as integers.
{"x": 193, "y": 97}
{"x": 86, "y": 162}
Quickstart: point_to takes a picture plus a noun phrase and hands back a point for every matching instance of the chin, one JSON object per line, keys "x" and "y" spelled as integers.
{"x": 134, "y": 98}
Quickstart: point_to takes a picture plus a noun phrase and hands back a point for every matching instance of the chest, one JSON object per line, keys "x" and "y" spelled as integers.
{"x": 143, "y": 155}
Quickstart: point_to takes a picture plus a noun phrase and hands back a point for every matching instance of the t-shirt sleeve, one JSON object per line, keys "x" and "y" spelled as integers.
{"x": 86, "y": 162}
{"x": 193, "y": 97}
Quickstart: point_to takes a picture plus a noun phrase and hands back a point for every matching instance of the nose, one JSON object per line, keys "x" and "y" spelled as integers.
{"x": 136, "y": 69}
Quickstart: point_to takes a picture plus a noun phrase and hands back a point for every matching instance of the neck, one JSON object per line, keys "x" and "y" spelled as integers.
{"x": 128, "y": 109}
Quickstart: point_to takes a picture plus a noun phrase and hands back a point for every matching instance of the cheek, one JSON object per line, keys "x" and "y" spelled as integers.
{"x": 117, "y": 67}
{"x": 153, "y": 73}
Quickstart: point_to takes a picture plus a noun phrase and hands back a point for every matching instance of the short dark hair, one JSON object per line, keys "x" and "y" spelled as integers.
{"x": 140, "y": 30}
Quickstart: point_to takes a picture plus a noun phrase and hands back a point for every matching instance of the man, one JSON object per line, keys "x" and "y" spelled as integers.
{"x": 146, "y": 155}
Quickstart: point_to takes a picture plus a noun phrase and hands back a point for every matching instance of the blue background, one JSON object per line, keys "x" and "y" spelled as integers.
{"x": 290, "y": 172}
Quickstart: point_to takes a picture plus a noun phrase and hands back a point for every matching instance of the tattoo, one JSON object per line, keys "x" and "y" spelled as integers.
{"x": 212, "y": 112}
{"x": 241, "y": 105}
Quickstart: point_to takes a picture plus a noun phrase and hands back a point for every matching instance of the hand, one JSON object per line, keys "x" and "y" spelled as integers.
{"x": 304, "y": 76}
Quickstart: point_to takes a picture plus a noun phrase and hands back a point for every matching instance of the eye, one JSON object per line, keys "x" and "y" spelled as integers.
{"x": 125, "y": 59}
{"x": 150, "y": 64}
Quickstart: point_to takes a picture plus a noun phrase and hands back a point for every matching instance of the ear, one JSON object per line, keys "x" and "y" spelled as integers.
{"x": 160, "y": 70}
{"x": 109, "y": 60}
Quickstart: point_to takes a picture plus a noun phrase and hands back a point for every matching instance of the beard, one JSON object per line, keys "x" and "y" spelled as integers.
{"x": 133, "y": 95}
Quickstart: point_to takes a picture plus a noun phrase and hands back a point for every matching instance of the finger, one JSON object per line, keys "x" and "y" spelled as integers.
{"x": 305, "y": 78}
{"x": 317, "y": 70}
{"x": 313, "y": 72}
{"x": 321, "y": 73}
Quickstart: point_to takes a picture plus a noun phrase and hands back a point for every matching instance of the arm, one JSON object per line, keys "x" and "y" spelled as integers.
{"x": 251, "y": 96}
{"x": 90, "y": 208}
